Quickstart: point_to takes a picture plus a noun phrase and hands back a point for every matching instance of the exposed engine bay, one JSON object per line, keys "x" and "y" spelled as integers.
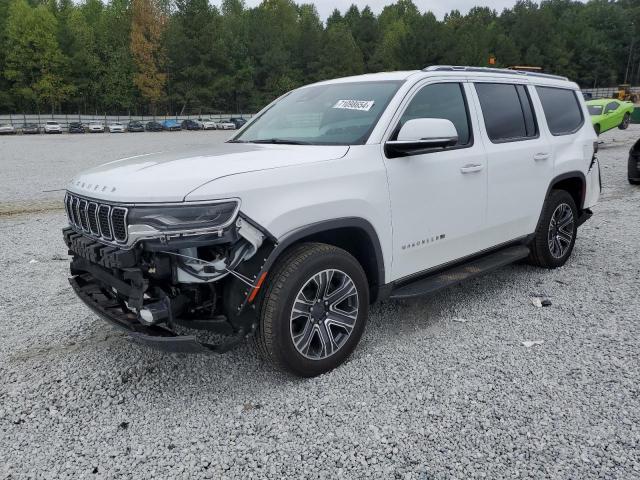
{"x": 203, "y": 281}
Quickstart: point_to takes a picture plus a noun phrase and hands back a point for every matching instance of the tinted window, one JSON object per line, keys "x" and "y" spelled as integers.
{"x": 594, "y": 109}
{"x": 561, "y": 109}
{"x": 611, "y": 107}
{"x": 507, "y": 111}
{"x": 441, "y": 100}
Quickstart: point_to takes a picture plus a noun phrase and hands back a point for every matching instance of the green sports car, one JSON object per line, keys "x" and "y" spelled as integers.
{"x": 608, "y": 113}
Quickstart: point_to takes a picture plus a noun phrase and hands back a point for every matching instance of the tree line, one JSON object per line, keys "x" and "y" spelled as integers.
{"x": 186, "y": 56}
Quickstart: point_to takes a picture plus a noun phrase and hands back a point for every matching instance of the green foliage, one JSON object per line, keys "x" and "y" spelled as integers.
{"x": 189, "y": 56}
{"x": 33, "y": 63}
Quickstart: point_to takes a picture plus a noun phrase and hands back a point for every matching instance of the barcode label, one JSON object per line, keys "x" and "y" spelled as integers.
{"x": 363, "y": 105}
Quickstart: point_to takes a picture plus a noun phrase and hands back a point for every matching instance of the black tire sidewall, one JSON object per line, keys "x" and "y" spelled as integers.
{"x": 556, "y": 198}
{"x": 283, "y": 345}
{"x": 625, "y": 122}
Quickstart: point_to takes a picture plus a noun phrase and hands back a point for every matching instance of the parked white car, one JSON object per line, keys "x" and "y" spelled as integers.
{"x": 7, "y": 129}
{"x": 117, "y": 128}
{"x": 208, "y": 124}
{"x": 338, "y": 194}
{"x": 225, "y": 125}
{"x": 95, "y": 127}
{"x": 52, "y": 127}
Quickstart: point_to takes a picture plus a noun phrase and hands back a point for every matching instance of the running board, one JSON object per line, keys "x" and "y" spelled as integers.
{"x": 461, "y": 272}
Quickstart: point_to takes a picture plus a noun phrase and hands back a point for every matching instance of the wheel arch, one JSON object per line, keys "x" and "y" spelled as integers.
{"x": 574, "y": 183}
{"x": 353, "y": 234}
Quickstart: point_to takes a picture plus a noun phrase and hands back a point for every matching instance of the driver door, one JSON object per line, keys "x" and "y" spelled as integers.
{"x": 438, "y": 198}
{"x": 611, "y": 115}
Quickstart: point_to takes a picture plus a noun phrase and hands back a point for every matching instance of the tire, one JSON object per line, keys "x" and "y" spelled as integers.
{"x": 633, "y": 182}
{"x": 552, "y": 246}
{"x": 626, "y": 120}
{"x": 294, "y": 339}
{"x": 597, "y": 129}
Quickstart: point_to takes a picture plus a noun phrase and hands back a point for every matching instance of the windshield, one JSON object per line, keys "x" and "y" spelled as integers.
{"x": 594, "y": 109}
{"x": 333, "y": 114}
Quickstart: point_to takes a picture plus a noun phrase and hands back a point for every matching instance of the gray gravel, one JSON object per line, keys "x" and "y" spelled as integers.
{"x": 438, "y": 388}
{"x": 34, "y": 166}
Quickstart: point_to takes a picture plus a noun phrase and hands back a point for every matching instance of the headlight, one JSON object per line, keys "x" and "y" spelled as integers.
{"x": 176, "y": 218}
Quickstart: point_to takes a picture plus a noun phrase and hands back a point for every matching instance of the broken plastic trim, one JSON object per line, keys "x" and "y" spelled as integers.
{"x": 155, "y": 336}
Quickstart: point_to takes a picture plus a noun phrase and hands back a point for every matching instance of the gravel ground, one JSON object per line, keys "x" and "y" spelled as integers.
{"x": 52, "y": 160}
{"x": 438, "y": 388}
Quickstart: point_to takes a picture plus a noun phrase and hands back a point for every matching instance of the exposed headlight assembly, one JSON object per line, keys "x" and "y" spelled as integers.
{"x": 185, "y": 217}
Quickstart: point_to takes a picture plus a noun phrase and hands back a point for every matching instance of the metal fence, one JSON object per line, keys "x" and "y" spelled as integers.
{"x": 64, "y": 120}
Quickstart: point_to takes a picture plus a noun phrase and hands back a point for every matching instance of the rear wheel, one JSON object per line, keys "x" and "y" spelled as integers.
{"x": 314, "y": 311}
{"x": 556, "y": 232}
{"x": 626, "y": 120}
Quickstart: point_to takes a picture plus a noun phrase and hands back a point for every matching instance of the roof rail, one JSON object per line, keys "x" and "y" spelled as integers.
{"x": 459, "y": 68}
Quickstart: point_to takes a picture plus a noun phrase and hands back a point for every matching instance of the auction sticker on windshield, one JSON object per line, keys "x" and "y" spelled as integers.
{"x": 363, "y": 105}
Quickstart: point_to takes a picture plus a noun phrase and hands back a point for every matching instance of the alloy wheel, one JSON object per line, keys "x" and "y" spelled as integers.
{"x": 324, "y": 314}
{"x": 561, "y": 228}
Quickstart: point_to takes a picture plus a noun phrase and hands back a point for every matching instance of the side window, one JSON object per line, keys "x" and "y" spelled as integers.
{"x": 611, "y": 107}
{"x": 507, "y": 111}
{"x": 561, "y": 109}
{"x": 441, "y": 100}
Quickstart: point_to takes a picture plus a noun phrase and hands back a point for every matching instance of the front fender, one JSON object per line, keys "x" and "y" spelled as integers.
{"x": 282, "y": 200}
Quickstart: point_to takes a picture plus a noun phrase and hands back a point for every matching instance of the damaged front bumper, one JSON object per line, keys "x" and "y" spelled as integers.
{"x": 159, "y": 337}
{"x": 141, "y": 291}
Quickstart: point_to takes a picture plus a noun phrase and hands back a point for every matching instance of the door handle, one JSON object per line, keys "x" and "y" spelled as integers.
{"x": 541, "y": 156}
{"x": 471, "y": 167}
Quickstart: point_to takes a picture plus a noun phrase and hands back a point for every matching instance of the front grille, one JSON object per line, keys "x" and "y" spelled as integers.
{"x": 118, "y": 222}
{"x": 99, "y": 220}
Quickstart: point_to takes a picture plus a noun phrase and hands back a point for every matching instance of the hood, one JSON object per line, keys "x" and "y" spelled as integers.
{"x": 171, "y": 176}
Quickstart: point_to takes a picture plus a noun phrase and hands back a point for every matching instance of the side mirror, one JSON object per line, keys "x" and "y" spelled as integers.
{"x": 421, "y": 134}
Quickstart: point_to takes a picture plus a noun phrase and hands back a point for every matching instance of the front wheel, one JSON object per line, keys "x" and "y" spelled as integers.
{"x": 626, "y": 120}
{"x": 556, "y": 231}
{"x": 314, "y": 311}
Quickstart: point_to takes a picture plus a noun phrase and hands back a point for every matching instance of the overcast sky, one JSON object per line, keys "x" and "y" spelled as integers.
{"x": 438, "y": 7}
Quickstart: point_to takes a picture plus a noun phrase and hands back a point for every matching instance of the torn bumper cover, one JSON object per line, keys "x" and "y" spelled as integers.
{"x": 115, "y": 284}
{"x": 155, "y": 336}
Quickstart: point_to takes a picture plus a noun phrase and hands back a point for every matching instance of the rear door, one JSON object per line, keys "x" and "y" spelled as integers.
{"x": 519, "y": 156}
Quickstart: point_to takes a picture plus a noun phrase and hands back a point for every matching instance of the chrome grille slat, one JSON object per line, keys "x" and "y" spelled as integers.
{"x": 82, "y": 210}
{"x": 119, "y": 224}
{"x": 104, "y": 212}
{"x": 99, "y": 220}
{"x": 92, "y": 213}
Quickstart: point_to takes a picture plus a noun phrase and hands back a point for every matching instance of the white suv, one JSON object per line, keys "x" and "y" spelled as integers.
{"x": 336, "y": 195}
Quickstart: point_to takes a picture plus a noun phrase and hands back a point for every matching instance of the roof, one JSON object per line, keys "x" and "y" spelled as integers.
{"x": 456, "y": 70}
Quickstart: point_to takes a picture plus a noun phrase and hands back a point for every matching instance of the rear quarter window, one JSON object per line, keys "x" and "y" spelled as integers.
{"x": 507, "y": 111}
{"x": 561, "y": 109}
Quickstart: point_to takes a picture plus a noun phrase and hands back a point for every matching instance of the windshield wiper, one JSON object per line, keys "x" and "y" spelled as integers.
{"x": 280, "y": 141}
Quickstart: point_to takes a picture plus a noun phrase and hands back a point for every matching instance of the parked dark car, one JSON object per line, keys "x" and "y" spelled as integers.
{"x": 76, "y": 127}
{"x": 153, "y": 127}
{"x": 135, "y": 126}
{"x": 633, "y": 172}
{"x": 238, "y": 121}
{"x": 191, "y": 125}
{"x": 30, "y": 129}
{"x": 171, "y": 125}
